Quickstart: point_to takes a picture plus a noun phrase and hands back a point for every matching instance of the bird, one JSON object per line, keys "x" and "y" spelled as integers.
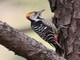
{"x": 45, "y": 29}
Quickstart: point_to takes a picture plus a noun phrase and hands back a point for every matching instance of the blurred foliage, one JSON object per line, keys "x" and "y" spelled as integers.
{"x": 13, "y": 12}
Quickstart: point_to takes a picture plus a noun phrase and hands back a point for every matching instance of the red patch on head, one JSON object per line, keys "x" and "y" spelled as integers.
{"x": 56, "y": 37}
{"x": 27, "y": 17}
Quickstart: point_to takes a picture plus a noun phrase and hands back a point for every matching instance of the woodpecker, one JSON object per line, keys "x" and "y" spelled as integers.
{"x": 45, "y": 29}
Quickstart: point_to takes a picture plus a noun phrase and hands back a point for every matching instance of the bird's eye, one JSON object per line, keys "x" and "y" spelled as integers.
{"x": 35, "y": 13}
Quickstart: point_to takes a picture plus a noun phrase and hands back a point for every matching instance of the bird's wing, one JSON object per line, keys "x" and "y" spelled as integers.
{"x": 49, "y": 23}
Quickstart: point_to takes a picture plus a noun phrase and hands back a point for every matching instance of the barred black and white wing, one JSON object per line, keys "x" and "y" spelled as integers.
{"x": 43, "y": 30}
{"x": 50, "y": 24}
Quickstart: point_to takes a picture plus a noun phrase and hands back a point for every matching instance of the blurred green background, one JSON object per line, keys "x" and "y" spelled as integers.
{"x": 13, "y": 12}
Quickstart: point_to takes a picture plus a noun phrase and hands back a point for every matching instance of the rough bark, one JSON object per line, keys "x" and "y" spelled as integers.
{"x": 24, "y": 45}
{"x": 67, "y": 12}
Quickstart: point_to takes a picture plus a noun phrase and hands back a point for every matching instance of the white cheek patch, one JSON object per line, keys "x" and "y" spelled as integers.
{"x": 34, "y": 18}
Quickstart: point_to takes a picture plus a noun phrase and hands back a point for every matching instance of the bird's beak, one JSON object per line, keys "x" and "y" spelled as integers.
{"x": 41, "y": 11}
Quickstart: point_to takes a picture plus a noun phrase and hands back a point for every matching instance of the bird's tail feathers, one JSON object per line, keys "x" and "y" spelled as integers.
{"x": 59, "y": 48}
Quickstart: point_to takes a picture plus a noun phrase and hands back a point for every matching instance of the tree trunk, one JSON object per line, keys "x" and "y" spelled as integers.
{"x": 67, "y": 12}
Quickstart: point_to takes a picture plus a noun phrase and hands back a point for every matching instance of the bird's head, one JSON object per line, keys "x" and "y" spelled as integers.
{"x": 34, "y": 16}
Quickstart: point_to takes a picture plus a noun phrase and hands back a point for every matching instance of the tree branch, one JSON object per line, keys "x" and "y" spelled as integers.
{"x": 25, "y": 46}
